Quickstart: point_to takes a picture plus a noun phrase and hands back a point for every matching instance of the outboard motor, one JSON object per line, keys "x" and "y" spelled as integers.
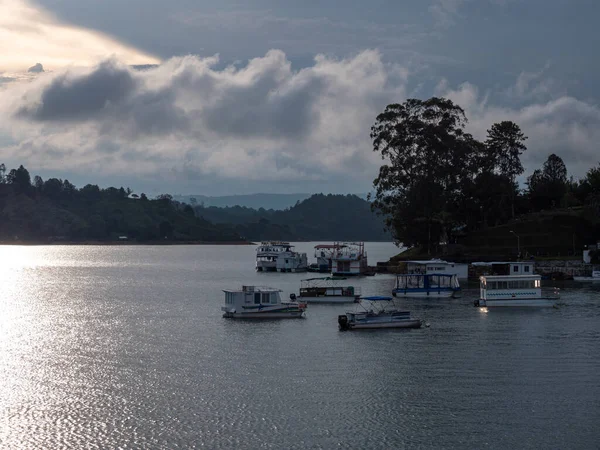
{"x": 343, "y": 322}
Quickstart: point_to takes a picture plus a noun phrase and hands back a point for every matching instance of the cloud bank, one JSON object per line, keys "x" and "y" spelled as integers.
{"x": 256, "y": 125}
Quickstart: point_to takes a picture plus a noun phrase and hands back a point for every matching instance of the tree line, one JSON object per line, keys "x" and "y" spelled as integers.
{"x": 439, "y": 182}
{"x": 320, "y": 217}
{"x": 55, "y": 210}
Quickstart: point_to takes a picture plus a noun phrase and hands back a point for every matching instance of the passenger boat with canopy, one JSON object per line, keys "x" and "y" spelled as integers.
{"x": 328, "y": 290}
{"x": 426, "y": 285}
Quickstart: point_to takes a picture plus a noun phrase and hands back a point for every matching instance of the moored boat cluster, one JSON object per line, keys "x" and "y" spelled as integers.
{"x": 432, "y": 279}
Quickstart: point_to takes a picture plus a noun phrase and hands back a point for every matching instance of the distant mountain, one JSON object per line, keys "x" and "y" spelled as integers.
{"x": 255, "y": 201}
{"x": 320, "y": 217}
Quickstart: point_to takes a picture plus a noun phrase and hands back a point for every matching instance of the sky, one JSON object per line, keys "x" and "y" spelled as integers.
{"x": 226, "y": 97}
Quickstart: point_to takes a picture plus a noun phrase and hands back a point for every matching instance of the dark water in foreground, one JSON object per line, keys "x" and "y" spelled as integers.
{"x": 125, "y": 347}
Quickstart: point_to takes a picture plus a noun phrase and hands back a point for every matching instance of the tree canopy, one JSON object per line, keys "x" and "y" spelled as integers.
{"x": 438, "y": 182}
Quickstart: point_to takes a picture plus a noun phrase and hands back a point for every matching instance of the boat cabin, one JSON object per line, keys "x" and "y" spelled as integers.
{"x": 502, "y": 268}
{"x": 438, "y": 266}
{"x": 510, "y": 287}
{"x": 327, "y": 287}
{"x": 251, "y": 295}
{"x": 350, "y": 258}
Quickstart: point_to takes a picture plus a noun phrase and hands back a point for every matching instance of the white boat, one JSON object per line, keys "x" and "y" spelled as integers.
{"x": 513, "y": 290}
{"x": 595, "y": 277}
{"x": 327, "y": 290}
{"x": 370, "y": 316}
{"x": 427, "y": 285}
{"x": 255, "y": 302}
{"x": 349, "y": 259}
{"x": 277, "y": 256}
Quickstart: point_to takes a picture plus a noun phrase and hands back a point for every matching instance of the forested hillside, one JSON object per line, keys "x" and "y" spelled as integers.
{"x": 320, "y": 217}
{"x": 55, "y": 210}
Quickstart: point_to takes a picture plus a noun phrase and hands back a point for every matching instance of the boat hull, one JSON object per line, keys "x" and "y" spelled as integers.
{"x": 264, "y": 315}
{"x": 372, "y": 326}
{"x": 525, "y": 302}
{"x": 331, "y": 299}
{"x": 407, "y": 293}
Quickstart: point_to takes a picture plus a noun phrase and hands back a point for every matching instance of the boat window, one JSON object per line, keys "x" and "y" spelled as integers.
{"x": 537, "y": 283}
{"x": 229, "y": 298}
{"x": 266, "y": 297}
{"x": 273, "y": 299}
{"x": 515, "y": 268}
{"x": 526, "y": 268}
{"x": 257, "y": 298}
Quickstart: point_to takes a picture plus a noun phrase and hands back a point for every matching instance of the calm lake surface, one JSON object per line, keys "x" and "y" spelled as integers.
{"x": 125, "y": 347}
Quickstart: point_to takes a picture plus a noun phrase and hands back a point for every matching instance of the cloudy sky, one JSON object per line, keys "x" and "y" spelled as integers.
{"x": 222, "y": 97}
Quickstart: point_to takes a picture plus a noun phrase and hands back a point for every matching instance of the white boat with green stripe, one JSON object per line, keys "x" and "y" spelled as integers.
{"x": 257, "y": 302}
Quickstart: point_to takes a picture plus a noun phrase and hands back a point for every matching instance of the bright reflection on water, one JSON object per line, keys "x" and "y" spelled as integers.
{"x": 125, "y": 347}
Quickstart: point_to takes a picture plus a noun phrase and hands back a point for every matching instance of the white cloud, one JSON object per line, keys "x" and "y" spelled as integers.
{"x": 262, "y": 122}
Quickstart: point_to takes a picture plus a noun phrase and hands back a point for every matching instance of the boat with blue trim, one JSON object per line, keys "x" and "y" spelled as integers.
{"x": 426, "y": 285}
{"x": 374, "y": 312}
{"x": 514, "y": 290}
{"x": 256, "y": 302}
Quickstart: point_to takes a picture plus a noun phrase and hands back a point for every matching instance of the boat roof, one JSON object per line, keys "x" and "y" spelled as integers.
{"x": 429, "y": 261}
{"x": 325, "y": 278}
{"x": 481, "y": 263}
{"x": 426, "y": 275}
{"x": 509, "y": 277}
{"x": 251, "y": 289}
{"x": 376, "y": 298}
{"x": 329, "y": 246}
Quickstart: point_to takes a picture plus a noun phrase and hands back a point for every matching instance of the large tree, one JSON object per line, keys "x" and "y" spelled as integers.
{"x": 548, "y": 185}
{"x": 428, "y": 159}
{"x": 506, "y": 143}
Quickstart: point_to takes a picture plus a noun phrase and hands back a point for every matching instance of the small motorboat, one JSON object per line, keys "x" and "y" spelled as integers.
{"x": 375, "y": 312}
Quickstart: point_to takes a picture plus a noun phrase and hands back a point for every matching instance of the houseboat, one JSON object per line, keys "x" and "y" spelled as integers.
{"x": 327, "y": 290}
{"x": 349, "y": 259}
{"x": 438, "y": 266}
{"x": 428, "y": 285}
{"x": 255, "y": 302}
{"x": 595, "y": 276}
{"x": 324, "y": 255}
{"x": 370, "y": 316}
{"x": 513, "y": 290}
{"x": 512, "y": 268}
{"x": 277, "y": 256}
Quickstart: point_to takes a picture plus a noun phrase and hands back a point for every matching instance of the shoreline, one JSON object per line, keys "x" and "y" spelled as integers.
{"x": 123, "y": 243}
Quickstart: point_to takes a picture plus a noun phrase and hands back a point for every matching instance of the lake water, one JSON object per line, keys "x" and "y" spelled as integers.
{"x": 125, "y": 347}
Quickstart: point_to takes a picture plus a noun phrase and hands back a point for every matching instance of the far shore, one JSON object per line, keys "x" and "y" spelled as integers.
{"x": 108, "y": 243}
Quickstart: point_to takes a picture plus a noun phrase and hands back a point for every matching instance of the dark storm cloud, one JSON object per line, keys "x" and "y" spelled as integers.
{"x": 81, "y": 97}
{"x": 37, "y": 68}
